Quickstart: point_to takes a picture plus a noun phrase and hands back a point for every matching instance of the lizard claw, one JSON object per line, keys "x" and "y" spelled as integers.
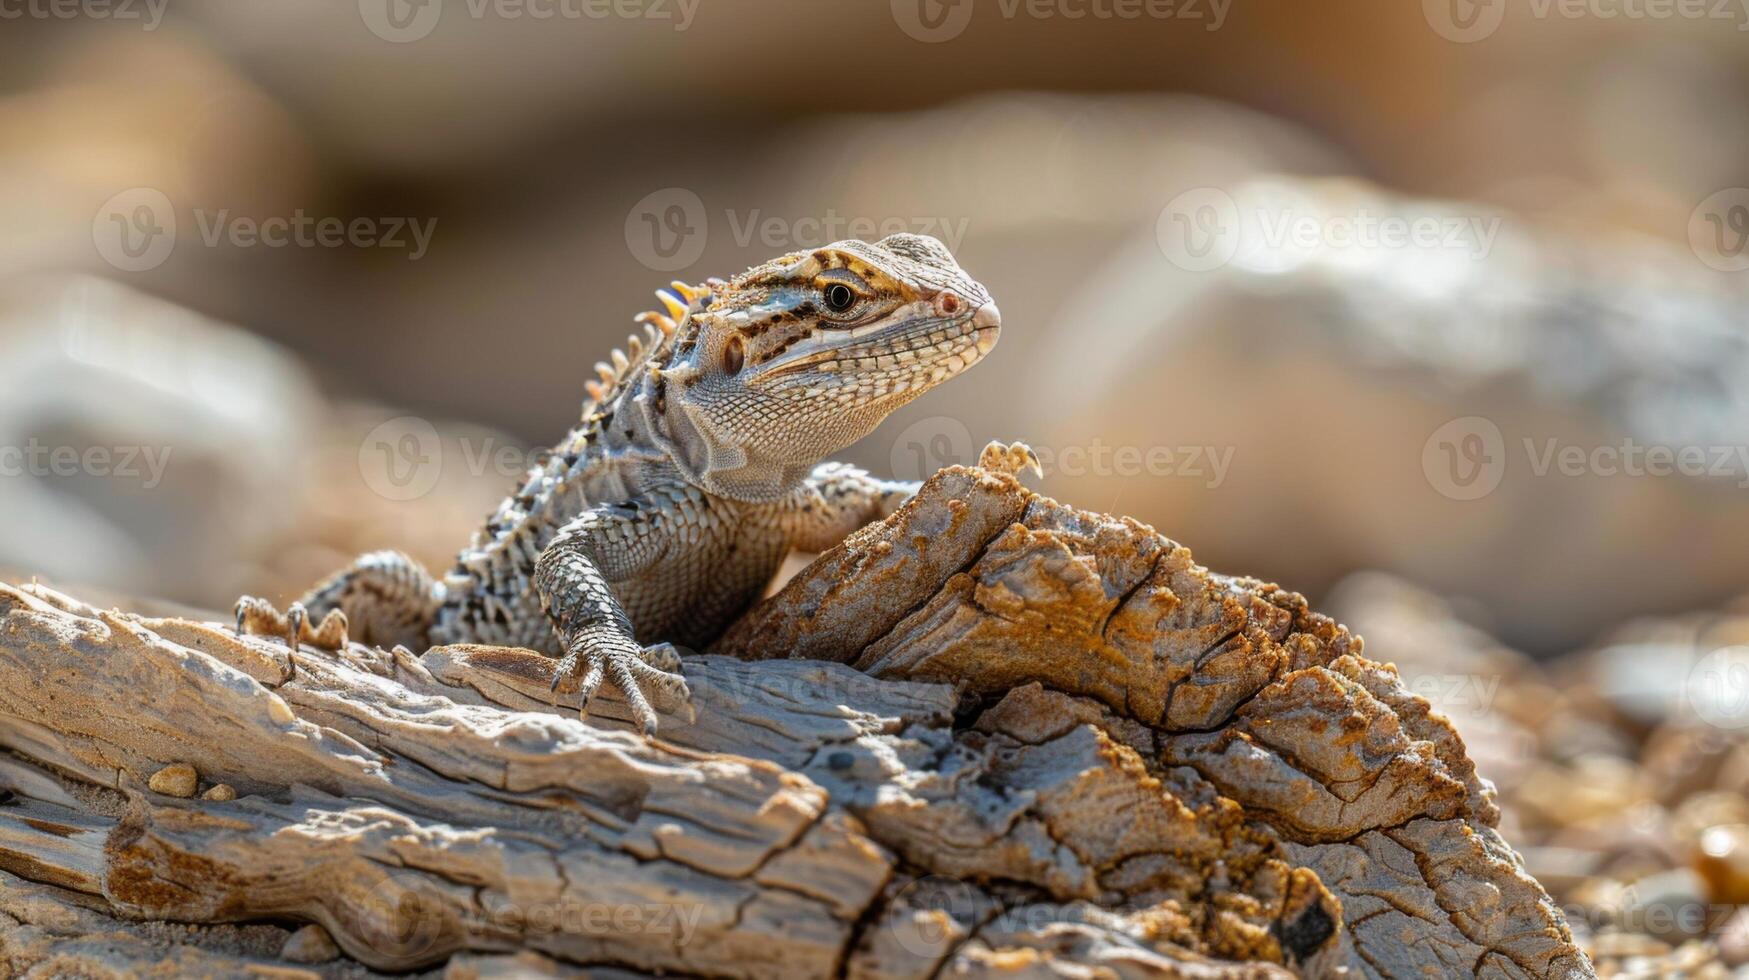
{"x": 1012, "y": 458}
{"x": 258, "y": 617}
{"x": 295, "y": 618}
{"x": 640, "y": 673}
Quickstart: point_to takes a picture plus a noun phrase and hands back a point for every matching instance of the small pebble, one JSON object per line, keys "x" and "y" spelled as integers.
{"x": 1637, "y": 681}
{"x": 311, "y": 944}
{"x": 221, "y": 792}
{"x": 177, "y": 779}
{"x": 1670, "y": 905}
{"x": 280, "y": 712}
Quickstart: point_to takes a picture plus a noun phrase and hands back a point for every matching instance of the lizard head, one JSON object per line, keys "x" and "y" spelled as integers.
{"x": 798, "y": 358}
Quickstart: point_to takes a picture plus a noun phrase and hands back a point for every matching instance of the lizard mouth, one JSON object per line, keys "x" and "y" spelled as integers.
{"x": 916, "y": 350}
{"x": 988, "y": 323}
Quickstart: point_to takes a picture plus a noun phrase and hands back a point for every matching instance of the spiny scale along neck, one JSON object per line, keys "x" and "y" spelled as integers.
{"x": 552, "y": 491}
{"x": 651, "y": 351}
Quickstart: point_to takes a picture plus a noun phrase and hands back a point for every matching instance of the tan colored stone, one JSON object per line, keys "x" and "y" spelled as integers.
{"x": 178, "y": 779}
{"x": 311, "y": 944}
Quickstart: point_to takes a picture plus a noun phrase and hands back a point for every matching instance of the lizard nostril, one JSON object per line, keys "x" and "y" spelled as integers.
{"x": 734, "y": 357}
{"x": 948, "y": 303}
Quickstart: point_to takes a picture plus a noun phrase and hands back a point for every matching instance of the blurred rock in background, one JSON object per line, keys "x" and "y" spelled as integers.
{"x": 1547, "y": 422}
{"x": 147, "y": 448}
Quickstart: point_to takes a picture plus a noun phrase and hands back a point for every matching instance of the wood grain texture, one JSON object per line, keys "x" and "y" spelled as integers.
{"x": 991, "y": 736}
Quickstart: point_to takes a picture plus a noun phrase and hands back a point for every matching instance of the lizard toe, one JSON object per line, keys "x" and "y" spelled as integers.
{"x": 1012, "y": 458}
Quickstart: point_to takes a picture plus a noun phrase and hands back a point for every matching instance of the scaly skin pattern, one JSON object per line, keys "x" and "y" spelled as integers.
{"x": 696, "y": 468}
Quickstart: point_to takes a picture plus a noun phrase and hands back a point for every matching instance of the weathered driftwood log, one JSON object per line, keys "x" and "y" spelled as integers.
{"x": 992, "y": 735}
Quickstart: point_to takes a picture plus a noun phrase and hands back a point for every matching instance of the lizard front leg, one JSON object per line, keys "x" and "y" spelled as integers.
{"x": 838, "y": 498}
{"x": 608, "y": 543}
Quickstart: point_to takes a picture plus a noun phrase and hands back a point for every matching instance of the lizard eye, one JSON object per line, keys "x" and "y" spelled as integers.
{"x": 839, "y": 297}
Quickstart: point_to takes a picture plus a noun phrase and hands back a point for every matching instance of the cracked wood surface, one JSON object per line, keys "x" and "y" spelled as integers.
{"x": 992, "y": 735}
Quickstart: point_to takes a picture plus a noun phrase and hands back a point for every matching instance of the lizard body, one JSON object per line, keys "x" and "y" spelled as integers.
{"x": 696, "y": 468}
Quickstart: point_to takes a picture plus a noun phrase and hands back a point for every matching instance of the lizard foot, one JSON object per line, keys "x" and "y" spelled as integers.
{"x": 258, "y": 617}
{"x": 1012, "y": 458}
{"x": 640, "y": 673}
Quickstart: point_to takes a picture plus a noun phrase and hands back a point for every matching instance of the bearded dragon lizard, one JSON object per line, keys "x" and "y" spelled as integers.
{"x": 696, "y": 468}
